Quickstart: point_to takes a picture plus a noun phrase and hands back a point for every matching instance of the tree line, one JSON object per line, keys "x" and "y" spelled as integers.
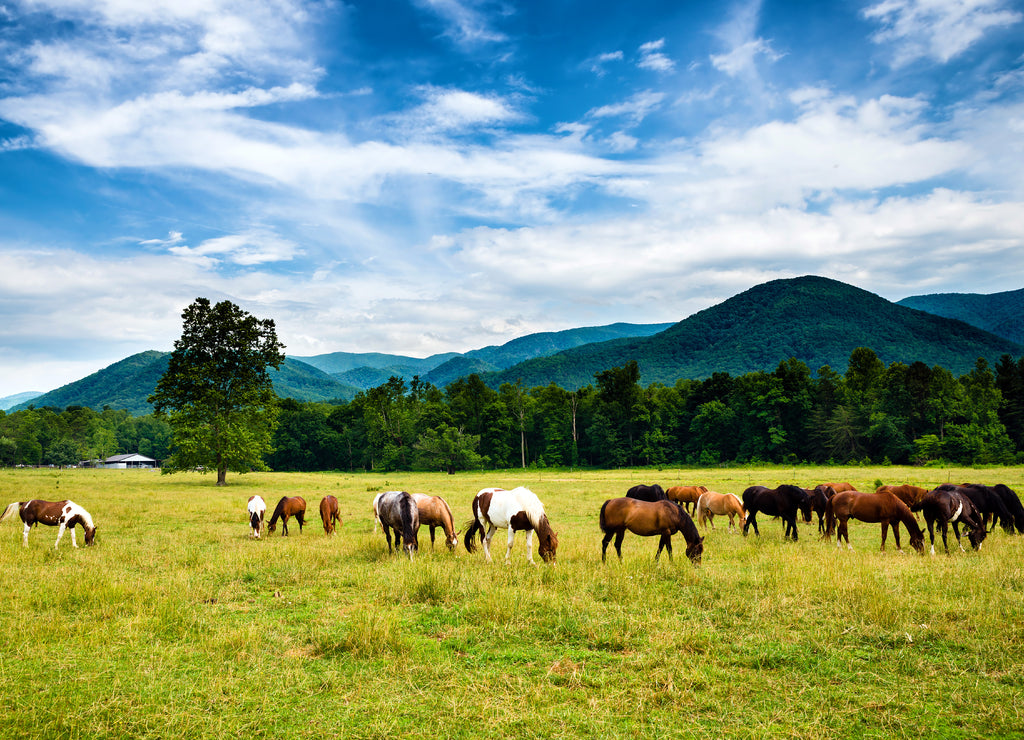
{"x": 903, "y": 414}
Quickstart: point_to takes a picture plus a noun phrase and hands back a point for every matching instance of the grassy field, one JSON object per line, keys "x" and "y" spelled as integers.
{"x": 176, "y": 624}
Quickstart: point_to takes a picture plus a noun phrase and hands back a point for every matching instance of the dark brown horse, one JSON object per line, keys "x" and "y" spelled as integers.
{"x": 819, "y": 496}
{"x": 649, "y": 518}
{"x": 987, "y": 502}
{"x": 329, "y": 514}
{"x": 288, "y": 506}
{"x": 62, "y": 514}
{"x": 1013, "y": 505}
{"x": 647, "y": 493}
{"x": 947, "y": 505}
{"x": 686, "y": 495}
{"x": 783, "y": 502}
{"x": 885, "y": 508}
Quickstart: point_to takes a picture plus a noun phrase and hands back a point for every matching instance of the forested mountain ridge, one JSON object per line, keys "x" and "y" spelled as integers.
{"x": 816, "y": 320}
{"x": 999, "y": 313}
{"x": 128, "y": 383}
{"x": 368, "y": 370}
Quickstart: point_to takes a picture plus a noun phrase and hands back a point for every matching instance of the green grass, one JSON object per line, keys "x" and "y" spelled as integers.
{"x": 176, "y": 624}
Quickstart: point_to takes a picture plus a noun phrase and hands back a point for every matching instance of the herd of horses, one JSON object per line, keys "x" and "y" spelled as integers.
{"x": 645, "y": 510}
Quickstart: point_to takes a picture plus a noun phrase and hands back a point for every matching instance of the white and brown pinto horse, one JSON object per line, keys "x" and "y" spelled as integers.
{"x": 515, "y": 510}
{"x": 257, "y": 509}
{"x": 435, "y": 512}
{"x": 63, "y": 514}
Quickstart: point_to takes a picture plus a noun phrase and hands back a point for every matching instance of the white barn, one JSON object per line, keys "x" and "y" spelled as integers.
{"x": 132, "y": 460}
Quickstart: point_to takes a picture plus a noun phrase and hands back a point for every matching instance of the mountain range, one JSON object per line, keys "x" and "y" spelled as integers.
{"x": 816, "y": 320}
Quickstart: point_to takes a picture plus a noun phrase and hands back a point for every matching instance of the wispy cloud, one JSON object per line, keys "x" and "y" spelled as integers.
{"x": 653, "y": 58}
{"x": 743, "y": 45}
{"x": 466, "y": 23}
{"x": 937, "y": 29}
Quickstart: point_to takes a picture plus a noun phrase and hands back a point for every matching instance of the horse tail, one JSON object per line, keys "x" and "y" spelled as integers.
{"x": 410, "y": 523}
{"x": 10, "y": 511}
{"x": 472, "y": 527}
{"x": 601, "y": 519}
{"x": 830, "y": 520}
{"x": 698, "y": 512}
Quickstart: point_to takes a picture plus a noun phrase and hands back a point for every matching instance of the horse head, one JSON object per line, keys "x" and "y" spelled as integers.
{"x": 453, "y": 541}
{"x": 695, "y": 551}
{"x": 976, "y": 536}
{"x": 90, "y": 535}
{"x": 547, "y": 545}
{"x": 917, "y": 542}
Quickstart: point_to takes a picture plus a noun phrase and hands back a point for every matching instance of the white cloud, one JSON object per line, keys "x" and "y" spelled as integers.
{"x": 652, "y": 58}
{"x": 742, "y": 58}
{"x": 597, "y": 64}
{"x": 634, "y": 110}
{"x": 937, "y": 29}
{"x": 742, "y": 43}
{"x": 252, "y": 248}
{"x": 467, "y": 25}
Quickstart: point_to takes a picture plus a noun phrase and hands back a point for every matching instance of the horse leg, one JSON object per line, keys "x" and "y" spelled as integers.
{"x": 619, "y": 537}
{"x": 896, "y": 535}
{"x": 956, "y": 531}
{"x": 511, "y": 541}
{"x": 491, "y": 529}
{"x": 945, "y": 527}
{"x": 432, "y": 528}
{"x": 604, "y": 544}
{"x": 60, "y": 533}
{"x": 751, "y": 519}
{"x": 387, "y": 534}
{"x": 529, "y": 545}
{"x": 24, "y": 536}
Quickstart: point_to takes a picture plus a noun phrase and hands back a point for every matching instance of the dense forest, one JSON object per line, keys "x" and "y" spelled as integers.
{"x": 897, "y": 413}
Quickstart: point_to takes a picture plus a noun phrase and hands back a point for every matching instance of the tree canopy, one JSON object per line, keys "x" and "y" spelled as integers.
{"x": 217, "y": 393}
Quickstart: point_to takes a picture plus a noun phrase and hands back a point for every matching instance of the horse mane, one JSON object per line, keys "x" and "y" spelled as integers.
{"x": 532, "y": 507}
{"x": 278, "y": 510}
{"x": 737, "y": 498}
{"x": 85, "y": 516}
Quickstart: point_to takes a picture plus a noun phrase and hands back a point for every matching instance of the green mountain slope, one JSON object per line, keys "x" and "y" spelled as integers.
{"x": 369, "y": 370}
{"x": 126, "y": 385}
{"x": 816, "y": 320}
{"x": 999, "y": 313}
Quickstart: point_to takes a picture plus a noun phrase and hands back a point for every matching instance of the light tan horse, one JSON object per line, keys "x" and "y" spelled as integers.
{"x": 686, "y": 495}
{"x": 435, "y": 512}
{"x": 712, "y": 502}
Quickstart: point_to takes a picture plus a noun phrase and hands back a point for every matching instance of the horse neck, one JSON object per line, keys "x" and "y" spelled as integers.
{"x": 687, "y": 528}
{"x": 534, "y": 511}
{"x": 908, "y": 519}
{"x": 542, "y": 526}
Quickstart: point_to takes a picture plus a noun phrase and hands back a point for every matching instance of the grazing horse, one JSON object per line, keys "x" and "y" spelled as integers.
{"x": 906, "y": 493}
{"x": 782, "y": 502}
{"x": 949, "y": 506}
{"x": 686, "y": 495}
{"x": 329, "y": 514}
{"x": 986, "y": 503}
{"x": 515, "y": 510}
{"x": 435, "y": 512}
{"x": 838, "y": 487}
{"x": 648, "y": 518}
{"x": 886, "y": 508}
{"x": 1012, "y": 503}
{"x": 63, "y": 514}
{"x": 288, "y": 506}
{"x": 819, "y": 496}
{"x": 647, "y": 493}
{"x": 711, "y": 503}
{"x": 398, "y": 511}
{"x": 257, "y": 509}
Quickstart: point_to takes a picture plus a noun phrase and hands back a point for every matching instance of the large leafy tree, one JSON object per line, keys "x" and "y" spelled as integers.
{"x": 217, "y": 394}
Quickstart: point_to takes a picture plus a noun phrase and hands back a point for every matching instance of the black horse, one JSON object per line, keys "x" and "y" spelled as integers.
{"x": 647, "y": 493}
{"x": 1012, "y": 503}
{"x": 947, "y": 505}
{"x": 819, "y": 501}
{"x": 783, "y": 502}
{"x": 986, "y": 502}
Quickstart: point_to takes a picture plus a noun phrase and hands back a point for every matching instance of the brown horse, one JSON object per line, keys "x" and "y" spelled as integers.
{"x": 885, "y": 508}
{"x": 906, "y": 493}
{"x": 711, "y": 503}
{"x": 686, "y": 495}
{"x": 435, "y": 512}
{"x": 648, "y": 518}
{"x": 838, "y": 487}
{"x": 288, "y": 506}
{"x": 62, "y": 514}
{"x": 330, "y": 514}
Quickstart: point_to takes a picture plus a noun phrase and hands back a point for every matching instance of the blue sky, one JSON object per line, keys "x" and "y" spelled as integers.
{"x": 435, "y": 175}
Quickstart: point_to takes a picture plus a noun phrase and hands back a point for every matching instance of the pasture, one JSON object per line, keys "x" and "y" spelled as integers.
{"x": 177, "y": 624}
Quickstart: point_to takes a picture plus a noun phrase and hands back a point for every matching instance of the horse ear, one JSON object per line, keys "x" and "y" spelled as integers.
{"x": 702, "y": 539}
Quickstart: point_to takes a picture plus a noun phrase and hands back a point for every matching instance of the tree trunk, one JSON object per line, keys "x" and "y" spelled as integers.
{"x": 222, "y": 476}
